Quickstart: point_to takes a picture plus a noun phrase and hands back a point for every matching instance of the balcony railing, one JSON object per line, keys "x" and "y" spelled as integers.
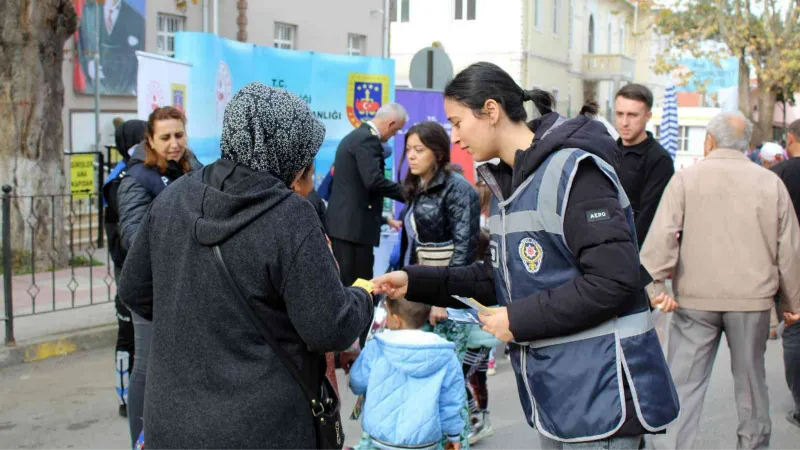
{"x": 608, "y": 67}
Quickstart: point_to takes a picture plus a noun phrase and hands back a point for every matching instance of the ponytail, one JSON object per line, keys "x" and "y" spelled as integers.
{"x": 590, "y": 109}
{"x": 542, "y": 100}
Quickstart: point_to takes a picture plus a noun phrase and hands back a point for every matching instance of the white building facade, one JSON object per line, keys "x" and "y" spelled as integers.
{"x": 576, "y": 49}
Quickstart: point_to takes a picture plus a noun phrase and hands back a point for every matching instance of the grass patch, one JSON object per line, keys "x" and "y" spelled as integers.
{"x": 82, "y": 261}
{"x": 22, "y": 263}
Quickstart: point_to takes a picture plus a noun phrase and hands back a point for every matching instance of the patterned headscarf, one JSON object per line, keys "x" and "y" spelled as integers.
{"x": 270, "y": 130}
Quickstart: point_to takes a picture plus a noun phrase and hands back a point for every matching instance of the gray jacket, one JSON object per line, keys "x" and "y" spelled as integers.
{"x": 134, "y": 197}
{"x": 212, "y": 381}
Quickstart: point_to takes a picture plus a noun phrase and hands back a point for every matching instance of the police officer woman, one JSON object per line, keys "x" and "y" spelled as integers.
{"x": 563, "y": 266}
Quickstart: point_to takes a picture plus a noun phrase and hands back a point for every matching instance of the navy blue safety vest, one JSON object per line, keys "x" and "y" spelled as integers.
{"x": 571, "y": 387}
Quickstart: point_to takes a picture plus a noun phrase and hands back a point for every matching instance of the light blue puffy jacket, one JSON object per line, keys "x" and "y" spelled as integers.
{"x": 414, "y": 388}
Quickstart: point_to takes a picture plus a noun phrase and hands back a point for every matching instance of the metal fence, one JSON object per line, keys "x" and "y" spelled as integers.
{"x": 57, "y": 261}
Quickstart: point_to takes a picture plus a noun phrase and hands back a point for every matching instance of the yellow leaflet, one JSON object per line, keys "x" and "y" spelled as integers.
{"x": 364, "y": 284}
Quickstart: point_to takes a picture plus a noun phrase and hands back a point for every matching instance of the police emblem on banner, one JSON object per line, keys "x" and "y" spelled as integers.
{"x": 531, "y": 254}
{"x": 365, "y": 95}
{"x": 179, "y": 96}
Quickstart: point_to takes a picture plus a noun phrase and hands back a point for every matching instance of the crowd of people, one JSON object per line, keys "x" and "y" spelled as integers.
{"x": 240, "y": 291}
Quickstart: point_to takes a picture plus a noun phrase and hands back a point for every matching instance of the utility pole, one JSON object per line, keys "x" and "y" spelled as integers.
{"x": 386, "y": 9}
{"x": 98, "y": 8}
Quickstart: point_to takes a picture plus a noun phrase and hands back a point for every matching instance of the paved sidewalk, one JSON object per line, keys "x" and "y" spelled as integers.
{"x": 70, "y": 403}
{"x": 60, "y": 312}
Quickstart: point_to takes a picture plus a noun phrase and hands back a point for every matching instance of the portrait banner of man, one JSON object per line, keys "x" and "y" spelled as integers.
{"x": 121, "y": 34}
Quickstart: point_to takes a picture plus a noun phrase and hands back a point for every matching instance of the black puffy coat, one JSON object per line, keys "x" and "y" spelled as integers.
{"x": 449, "y": 209}
{"x": 134, "y": 197}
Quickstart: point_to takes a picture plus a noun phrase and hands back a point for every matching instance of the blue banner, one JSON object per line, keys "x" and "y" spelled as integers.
{"x": 717, "y": 77}
{"x": 342, "y": 90}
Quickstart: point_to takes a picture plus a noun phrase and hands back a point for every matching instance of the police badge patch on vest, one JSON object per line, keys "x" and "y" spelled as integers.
{"x": 598, "y": 215}
{"x": 531, "y": 254}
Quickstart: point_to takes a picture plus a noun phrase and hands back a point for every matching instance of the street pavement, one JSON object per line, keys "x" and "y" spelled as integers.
{"x": 69, "y": 402}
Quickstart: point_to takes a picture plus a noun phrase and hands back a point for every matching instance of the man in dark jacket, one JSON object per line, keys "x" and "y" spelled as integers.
{"x": 645, "y": 167}
{"x": 789, "y": 172}
{"x": 359, "y": 185}
{"x": 126, "y": 136}
{"x": 212, "y": 380}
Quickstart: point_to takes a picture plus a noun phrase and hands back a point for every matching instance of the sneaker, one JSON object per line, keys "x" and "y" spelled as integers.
{"x": 491, "y": 370}
{"x": 123, "y": 410}
{"x": 794, "y": 418}
{"x": 482, "y": 429}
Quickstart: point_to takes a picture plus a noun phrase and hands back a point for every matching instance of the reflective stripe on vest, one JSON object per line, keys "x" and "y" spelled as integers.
{"x": 627, "y": 326}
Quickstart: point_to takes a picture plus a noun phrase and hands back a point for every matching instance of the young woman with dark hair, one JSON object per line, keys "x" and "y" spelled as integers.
{"x": 440, "y": 222}
{"x": 563, "y": 266}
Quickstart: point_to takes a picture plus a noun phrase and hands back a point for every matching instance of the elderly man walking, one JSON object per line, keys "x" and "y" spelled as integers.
{"x": 724, "y": 279}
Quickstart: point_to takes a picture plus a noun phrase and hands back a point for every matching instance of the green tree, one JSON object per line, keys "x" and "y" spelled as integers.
{"x": 762, "y": 35}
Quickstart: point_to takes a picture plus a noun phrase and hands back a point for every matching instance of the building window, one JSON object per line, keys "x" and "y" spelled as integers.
{"x": 459, "y": 9}
{"x": 356, "y": 44}
{"x": 285, "y": 36}
{"x": 537, "y": 13}
{"x": 556, "y": 12}
{"x": 400, "y": 15}
{"x": 168, "y": 25}
{"x": 609, "y": 37}
{"x": 683, "y": 137}
{"x": 622, "y": 39}
{"x": 591, "y": 35}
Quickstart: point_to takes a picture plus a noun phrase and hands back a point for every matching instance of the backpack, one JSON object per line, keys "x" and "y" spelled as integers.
{"x": 111, "y": 222}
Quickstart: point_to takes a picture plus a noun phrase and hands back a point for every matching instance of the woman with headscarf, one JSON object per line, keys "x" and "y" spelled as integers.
{"x": 213, "y": 381}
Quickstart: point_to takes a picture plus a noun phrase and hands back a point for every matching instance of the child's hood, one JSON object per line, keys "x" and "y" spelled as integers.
{"x": 416, "y": 353}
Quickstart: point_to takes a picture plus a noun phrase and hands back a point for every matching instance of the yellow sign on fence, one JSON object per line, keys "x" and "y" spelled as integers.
{"x": 82, "y": 175}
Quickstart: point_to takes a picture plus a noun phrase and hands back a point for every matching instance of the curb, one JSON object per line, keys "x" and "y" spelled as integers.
{"x": 59, "y": 345}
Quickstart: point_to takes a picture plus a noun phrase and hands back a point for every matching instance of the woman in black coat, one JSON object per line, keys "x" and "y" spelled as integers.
{"x": 161, "y": 158}
{"x": 213, "y": 381}
{"x": 442, "y": 212}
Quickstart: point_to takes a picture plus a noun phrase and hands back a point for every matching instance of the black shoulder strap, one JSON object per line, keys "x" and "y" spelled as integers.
{"x": 316, "y": 407}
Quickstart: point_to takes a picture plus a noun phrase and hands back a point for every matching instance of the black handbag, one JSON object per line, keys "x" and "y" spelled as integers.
{"x": 324, "y": 406}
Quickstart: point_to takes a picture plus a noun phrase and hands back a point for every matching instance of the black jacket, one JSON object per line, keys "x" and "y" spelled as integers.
{"x": 449, "y": 209}
{"x": 319, "y": 206}
{"x": 359, "y": 186}
{"x": 118, "y": 50}
{"x": 608, "y": 258}
{"x": 212, "y": 380}
{"x": 134, "y": 197}
{"x": 645, "y": 169}
{"x": 789, "y": 172}
{"x": 126, "y": 136}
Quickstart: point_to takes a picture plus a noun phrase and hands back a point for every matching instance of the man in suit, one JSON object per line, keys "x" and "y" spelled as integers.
{"x": 354, "y": 210}
{"x": 121, "y": 35}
